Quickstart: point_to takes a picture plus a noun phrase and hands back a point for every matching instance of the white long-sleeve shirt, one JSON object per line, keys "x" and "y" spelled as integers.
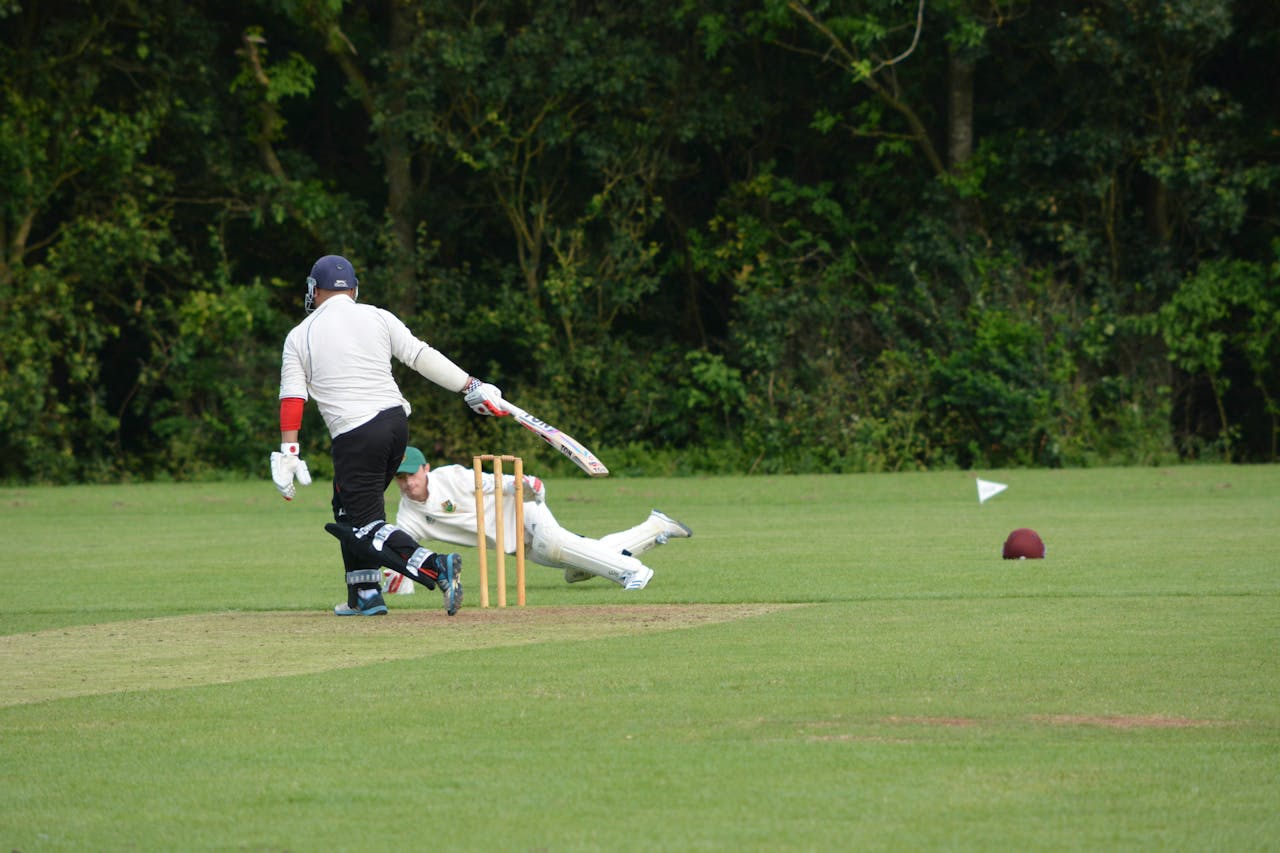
{"x": 449, "y": 512}
{"x": 340, "y": 356}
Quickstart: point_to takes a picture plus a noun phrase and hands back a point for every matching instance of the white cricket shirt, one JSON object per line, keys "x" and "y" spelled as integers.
{"x": 340, "y": 356}
{"x": 449, "y": 512}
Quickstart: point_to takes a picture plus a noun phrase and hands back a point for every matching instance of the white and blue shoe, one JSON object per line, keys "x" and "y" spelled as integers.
{"x": 370, "y": 606}
{"x": 448, "y": 567}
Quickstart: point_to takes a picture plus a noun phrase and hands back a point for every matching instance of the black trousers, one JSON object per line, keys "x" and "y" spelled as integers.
{"x": 364, "y": 464}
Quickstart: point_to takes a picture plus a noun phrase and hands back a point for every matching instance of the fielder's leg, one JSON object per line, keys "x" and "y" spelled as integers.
{"x": 538, "y": 517}
{"x": 556, "y": 547}
{"x": 657, "y": 529}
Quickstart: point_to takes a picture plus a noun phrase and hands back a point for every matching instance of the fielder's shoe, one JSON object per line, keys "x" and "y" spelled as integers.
{"x": 448, "y": 567}
{"x": 637, "y": 579}
{"x": 671, "y": 529}
{"x": 576, "y": 576}
{"x": 371, "y": 606}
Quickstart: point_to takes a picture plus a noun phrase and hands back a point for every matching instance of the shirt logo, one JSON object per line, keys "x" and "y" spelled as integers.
{"x": 448, "y": 506}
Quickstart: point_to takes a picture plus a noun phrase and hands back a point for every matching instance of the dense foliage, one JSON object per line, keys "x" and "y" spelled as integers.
{"x": 699, "y": 234}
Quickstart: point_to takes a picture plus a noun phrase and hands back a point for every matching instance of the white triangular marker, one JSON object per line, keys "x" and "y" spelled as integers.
{"x": 988, "y": 489}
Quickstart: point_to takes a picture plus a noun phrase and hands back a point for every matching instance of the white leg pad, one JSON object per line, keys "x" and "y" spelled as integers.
{"x": 636, "y": 540}
{"x": 558, "y": 548}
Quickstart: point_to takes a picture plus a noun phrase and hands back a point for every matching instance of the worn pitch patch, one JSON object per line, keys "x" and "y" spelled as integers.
{"x": 1135, "y": 721}
{"x": 220, "y": 648}
{"x": 857, "y": 730}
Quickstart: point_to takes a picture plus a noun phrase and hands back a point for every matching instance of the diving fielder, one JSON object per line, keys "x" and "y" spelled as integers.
{"x": 340, "y": 356}
{"x": 440, "y": 504}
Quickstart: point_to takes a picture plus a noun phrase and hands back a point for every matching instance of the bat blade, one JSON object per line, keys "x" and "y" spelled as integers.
{"x": 562, "y": 441}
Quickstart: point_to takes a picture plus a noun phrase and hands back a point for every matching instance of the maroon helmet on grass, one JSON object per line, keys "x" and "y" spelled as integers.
{"x": 1023, "y": 544}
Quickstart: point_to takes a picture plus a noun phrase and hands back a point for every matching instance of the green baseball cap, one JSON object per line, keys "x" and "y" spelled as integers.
{"x": 413, "y": 460}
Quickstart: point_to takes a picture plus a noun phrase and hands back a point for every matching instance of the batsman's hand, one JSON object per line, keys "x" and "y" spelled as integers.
{"x": 483, "y": 398}
{"x": 286, "y": 467}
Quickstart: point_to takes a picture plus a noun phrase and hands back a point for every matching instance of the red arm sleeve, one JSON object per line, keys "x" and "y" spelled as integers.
{"x": 291, "y": 413}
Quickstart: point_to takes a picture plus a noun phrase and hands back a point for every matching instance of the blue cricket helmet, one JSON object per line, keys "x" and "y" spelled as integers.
{"x": 332, "y": 272}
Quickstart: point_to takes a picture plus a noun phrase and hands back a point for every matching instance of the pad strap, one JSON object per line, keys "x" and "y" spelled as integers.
{"x": 381, "y": 530}
{"x": 380, "y": 538}
{"x": 415, "y": 561}
{"x": 364, "y": 576}
{"x": 368, "y": 528}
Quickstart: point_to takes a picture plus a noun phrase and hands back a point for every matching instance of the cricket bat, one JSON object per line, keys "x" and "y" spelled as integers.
{"x": 566, "y": 444}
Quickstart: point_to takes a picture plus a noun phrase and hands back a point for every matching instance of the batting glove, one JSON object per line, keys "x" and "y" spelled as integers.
{"x": 483, "y": 398}
{"x": 285, "y": 467}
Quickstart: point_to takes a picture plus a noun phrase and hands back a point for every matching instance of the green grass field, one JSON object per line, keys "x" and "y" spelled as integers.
{"x": 831, "y": 663}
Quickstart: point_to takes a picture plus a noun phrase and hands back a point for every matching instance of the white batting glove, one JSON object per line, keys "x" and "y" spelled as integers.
{"x": 483, "y": 398}
{"x": 285, "y": 467}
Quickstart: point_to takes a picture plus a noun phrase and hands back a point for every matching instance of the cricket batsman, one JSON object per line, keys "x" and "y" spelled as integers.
{"x": 340, "y": 356}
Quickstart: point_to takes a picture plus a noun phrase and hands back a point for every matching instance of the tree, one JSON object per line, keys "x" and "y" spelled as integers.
{"x": 84, "y": 228}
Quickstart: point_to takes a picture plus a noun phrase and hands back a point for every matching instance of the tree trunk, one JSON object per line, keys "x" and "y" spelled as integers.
{"x": 399, "y": 166}
{"x": 400, "y": 290}
{"x": 960, "y": 128}
{"x": 959, "y": 110}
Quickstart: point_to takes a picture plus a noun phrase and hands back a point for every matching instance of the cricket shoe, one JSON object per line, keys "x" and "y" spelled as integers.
{"x": 670, "y": 528}
{"x": 576, "y": 576}
{"x": 637, "y": 578}
{"x": 448, "y": 567}
{"x": 371, "y": 606}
